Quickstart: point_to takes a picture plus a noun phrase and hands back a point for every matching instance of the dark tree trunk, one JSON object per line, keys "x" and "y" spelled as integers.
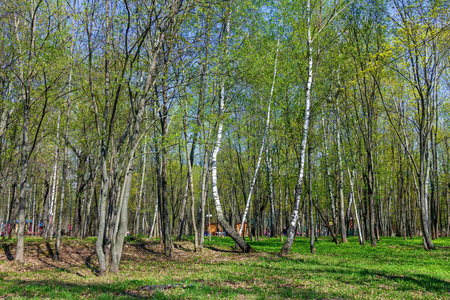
{"x": 311, "y": 205}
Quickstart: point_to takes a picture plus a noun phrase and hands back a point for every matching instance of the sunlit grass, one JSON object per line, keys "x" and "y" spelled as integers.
{"x": 395, "y": 269}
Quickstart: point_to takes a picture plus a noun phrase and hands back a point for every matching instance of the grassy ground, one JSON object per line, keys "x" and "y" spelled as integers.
{"x": 395, "y": 269}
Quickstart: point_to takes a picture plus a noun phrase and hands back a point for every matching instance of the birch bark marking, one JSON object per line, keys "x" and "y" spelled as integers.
{"x": 341, "y": 175}
{"x": 272, "y": 195}
{"x": 205, "y": 168}
{"x": 141, "y": 189}
{"x": 258, "y": 165}
{"x": 53, "y": 201}
{"x": 23, "y": 180}
{"x": 352, "y": 199}
{"x": 189, "y": 157}
{"x": 330, "y": 190}
{"x": 155, "y": 214}
{"x": 64, "y": 173}
{"x": 204, "y": 194}
{"x": 65, "y": 155}
{"x": 227, "y": 227}
{"x": 298, "y": 190}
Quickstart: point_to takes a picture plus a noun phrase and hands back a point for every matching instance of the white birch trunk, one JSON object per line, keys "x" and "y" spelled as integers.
{"x": 52, "y": 209}
{"x": 220, "y": 216}
{"x": 298, "y": 190}
{"x": 138, "y": 210}
{"x": 352, "y": 200}
{"x": 272, "y": 194}
{"x": 330, "y": 190}
{"x": 191, "y": 180}
{"x": 154, "y": 218}
{"x": 341, "y": 176}
{"x": 258, "y": 164}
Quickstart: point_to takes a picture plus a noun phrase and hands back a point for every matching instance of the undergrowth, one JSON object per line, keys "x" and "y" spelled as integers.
{"x": 395, "y": 269}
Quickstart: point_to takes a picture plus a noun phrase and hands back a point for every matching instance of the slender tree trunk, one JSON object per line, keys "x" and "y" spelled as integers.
{"x": 311, "y": 210}
{"x": 182, "y": 218}
{"x": 352, "y": 196}
{"x": 424, "y": 174}
{"x": 205, "y": 169}
{"x": 163, "y": 205}
{"x": 402, "y": 200}
{"x": 335, "y": 239}
{"x": 138, "y": 209}
{"x": 64, "y": 174}
{"x": 220, "y": 216}
{"x": 434, "y": 199}
{"x": 53, "y": 199}
{"x": 103, "y": 263}
{"x": 155, "y": 216}
{"x": 447, "y": 195}
{"x": 23, "y": 181}
{"x": 280, "y": 216}
{"x": 12, "y": 209}
{"x": 258, "y": 164}
{"x": 271, "y": 195}
{"x": 92, "y": 195}
{"x": 298, "y": 190}
{"x": 333, "y": 229}
{"x": 33, "y": 216}
{"x": 341, "y": 177}
{"x": 25, "y": 151}
{"x": 204, "y": 194}
{"x": 189, "y": 159}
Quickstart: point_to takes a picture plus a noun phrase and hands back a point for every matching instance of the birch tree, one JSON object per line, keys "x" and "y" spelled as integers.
{"x": 298, "y": 189}
{"x": 220, "y": 216}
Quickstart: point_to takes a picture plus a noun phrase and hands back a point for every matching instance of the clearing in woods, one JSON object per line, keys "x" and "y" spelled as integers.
{"x": 395, "y": 269}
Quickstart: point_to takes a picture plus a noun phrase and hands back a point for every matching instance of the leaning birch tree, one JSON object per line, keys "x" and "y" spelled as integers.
{"x": 220, "y": 215}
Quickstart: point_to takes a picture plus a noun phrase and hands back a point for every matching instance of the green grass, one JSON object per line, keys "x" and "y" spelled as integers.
{"x": 395, "y": 269}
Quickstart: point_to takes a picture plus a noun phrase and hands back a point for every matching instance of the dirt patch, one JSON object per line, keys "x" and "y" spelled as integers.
{"x": 39, "y": 255}
{"x": 80, "y": 258}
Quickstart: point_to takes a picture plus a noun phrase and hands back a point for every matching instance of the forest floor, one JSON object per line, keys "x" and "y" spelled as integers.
{"x": 395, "y": 269}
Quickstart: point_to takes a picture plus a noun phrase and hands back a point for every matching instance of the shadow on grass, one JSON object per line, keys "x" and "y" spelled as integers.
{"x": 53, "y": 289}
{"x": 180, "y": 247}
{"x": 410, "y": 282}
{"x": 154, "y": 255}
{"x": 90, "y": 265}
{"x": 41, "y": 255}
{"x": 50, "y": 250}
{"x": 212, "y": 248}
{"x": 7, "y": 249}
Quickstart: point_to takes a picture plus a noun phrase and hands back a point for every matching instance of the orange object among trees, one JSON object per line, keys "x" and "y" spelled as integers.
{"x": 213, "y": 229}
{"x": 244, "y": 232}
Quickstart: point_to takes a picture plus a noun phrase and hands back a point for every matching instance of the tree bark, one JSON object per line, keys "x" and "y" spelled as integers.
{"x": 138, "y": 209}
{"x": 189, "y": 159}
{"x": 333, "y": 229}
{"x": 64, "y": 175}
{"x": 258, "y": 164}
{"x": 341, "y": 177}
{"x": 311, "y": 210}
{"x": 298, "y": 190}
{"x": 220, "y": 216}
